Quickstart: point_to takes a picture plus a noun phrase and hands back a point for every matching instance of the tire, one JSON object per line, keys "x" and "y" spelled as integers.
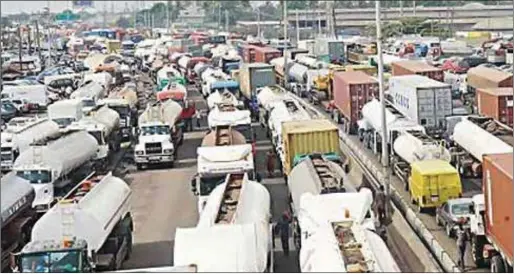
{"x": 129, "y": 247}
{"x": 497, "y": 265}
{"x": 139, "y": 166}
{"x": 448, "y": 230}
{"x": 438, "y": 220}
{"x": 477, "y": 251}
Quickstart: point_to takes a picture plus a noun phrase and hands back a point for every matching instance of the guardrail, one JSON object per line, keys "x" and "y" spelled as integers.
{"x": 375, "y": 176}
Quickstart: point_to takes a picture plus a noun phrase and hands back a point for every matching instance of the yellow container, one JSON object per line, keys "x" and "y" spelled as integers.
{"x": 370, "y": 70}
{"x": 306, "y": 137}
{"x": 433, "y": 182}
{"x": 479, "y": 34}
{"x": 113, "y": 46}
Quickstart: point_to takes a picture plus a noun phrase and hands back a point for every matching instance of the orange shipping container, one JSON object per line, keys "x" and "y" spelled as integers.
{"x": 266, "y": 54}
{"x": 496, "y": 103}
{"x": 497, "y": 188}
{"x": 417, "y": 67}
{"x": 482, "y": 77}
{"x": 352, "y": 90}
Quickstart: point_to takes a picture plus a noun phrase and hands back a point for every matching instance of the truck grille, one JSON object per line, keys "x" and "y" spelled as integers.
{"x": 153, "y": 148}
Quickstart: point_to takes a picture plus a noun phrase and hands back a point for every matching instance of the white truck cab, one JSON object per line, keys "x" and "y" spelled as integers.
{"x": 65, "y": 112}
{"x": 154, "y": 144}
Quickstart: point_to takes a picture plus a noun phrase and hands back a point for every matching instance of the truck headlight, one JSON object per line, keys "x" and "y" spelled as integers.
{"x": 139, "y": 152}
{"x": 168, "y": 151}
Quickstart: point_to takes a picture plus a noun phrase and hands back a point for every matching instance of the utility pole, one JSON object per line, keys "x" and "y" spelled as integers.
{"x": 319, "y": 22}
{"x": 134, "y": 10}
{"x": 401, "y": 8}
{"x": 258, "y": 23}
{"x": 286, "y": 23}
{"x": 168, "y": 16}
{"x": 38, "y": 42}
{"x": 385, "y": 152}
{"x": 334, "y": 31}
{"x": 29, "y": 40}
{"x": 219, "y": 15}
{"x": 226, "y": 20}
{"x": 297, "y": 28}
{"x": 414, "y": 7}
{"x": 105, "y": 15}
{"x": 20, "y": 46}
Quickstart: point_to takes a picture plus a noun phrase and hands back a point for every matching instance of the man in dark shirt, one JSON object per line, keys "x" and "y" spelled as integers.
{"x": 380, "y": 204}
{"x": 282, "y": 228}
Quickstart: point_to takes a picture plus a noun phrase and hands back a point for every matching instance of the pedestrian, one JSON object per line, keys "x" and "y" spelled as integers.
{"x": 198, "y": 117}
{"x": 380, "y": 204}
{"x": 282, "y": 228}
{"x": 270, "y": 162}
{"x": 462, "y": 238}
{"x": 189, "y": 111}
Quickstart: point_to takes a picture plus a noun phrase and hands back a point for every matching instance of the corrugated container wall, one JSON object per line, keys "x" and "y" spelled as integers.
{"x": 266, "y": 54}
{"x": 417, "y": 67}
{"x": 256, "y": 75}
{"x": 482, "y": 77}
{"x": 496, "y": 103}
{"x": 422, "y": 99}
{"x": 497, "y": 188}
{"x": 306, "y": 137}
{"x": 352, "y": 90}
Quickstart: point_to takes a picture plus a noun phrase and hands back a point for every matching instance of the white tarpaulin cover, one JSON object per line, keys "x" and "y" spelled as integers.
{"x": 33, "y": 132}
{"x": 13, "y": 191}
{"x": 224, "y": 153}
{"x": 268, "y": 95}
{"x": 166, "y": 112}
{"x": 91, "y": 90}
{"x": 413, "y": 149}
{"x": 371, "y": 111}
{"x": 233, "y": 118}
{"x": 225, "y": 97}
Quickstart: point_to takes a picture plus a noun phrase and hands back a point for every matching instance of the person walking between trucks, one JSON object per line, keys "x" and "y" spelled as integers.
{"x": 462, "y": 238}
{"x": 270, "y": 162}
{"x": 380, "y": 205}
{"x": 282, "y": 228}
{"x": 187, "y": 115}
{"x": 198, "y": 117}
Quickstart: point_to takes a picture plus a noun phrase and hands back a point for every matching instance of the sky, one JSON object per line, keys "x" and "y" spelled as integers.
{"x": 13, "y": 7}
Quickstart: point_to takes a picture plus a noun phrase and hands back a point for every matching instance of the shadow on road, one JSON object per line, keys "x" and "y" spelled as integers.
{"x": 154, "y": 254}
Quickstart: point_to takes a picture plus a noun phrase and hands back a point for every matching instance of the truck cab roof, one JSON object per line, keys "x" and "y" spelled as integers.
{"x": 52, "y": 245}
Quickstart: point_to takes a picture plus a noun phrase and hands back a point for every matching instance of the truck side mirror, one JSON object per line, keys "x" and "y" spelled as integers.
{"x": 471, "y": 209}
{"x": 193, "y": 185}
{"x": 12, "y": 263}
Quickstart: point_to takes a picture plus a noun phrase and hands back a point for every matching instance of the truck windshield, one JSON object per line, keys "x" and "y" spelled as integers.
{"x": 36, "y": 176}
{"x": 88, "y": 103}
{"x": 63, "y": 122}
{"x": 461, "y": 209}
{"x": 155, "y": 130}
{"x": 55, "y": 262}
{"x": 208, "y": 184}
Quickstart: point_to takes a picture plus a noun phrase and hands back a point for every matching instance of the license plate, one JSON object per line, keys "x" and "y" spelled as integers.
{"x": 154, "y": 159}
{"x": 435, "y": 199}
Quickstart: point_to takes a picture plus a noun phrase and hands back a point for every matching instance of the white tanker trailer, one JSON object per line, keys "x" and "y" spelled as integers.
{"x": 16, "y": 141}
{"x": 475, "y": 137}
{"x": 338, "y": 235}
{"x": 53, "y": 165}
{"x": 267, "y": 97}
{"x": 90, "y": 229}
{"x": 222, "y": 97}
{"x": 89, "y": 94}
{"x": 237, "y": 218}
{"x": 286, "y": 110}
{"x": 317, "y": 176}
{"x": 103, "y": 124}
{"x": 413, "y": 146}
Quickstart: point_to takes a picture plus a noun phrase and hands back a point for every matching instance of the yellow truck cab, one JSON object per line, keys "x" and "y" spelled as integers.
{"x": 433, "y": 182}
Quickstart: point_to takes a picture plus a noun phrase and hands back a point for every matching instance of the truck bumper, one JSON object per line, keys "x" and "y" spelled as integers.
{"x": 154, "y": 159}
{"x": 6, "y": 166}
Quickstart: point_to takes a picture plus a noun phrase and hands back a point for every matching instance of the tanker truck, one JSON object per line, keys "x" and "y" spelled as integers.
{"x": 223, "y": 151}
{"x": 159, "y": 134}
{"x": 223, "y": 96}
{"x": 317, "y": 176}
{"x": 103, "y": 124}
{"x": 65, "y": 112}
{"x": 267, "y": 97}
{"x": 413, "y": 146}
{"x": 476, "y": 136}
{"x": 286, "y": 110}
{"x": 169, "y": 74}
{"x": 124, "y": 103}
{"x": 16, "y": 141}
{"x": 236, "y": 217}
{"x": 229, "y": 115}
{"x": 338, "y": 234}
{"x": 90, "y": 229}
{"x": 89, "y": 94}
{"x": 18, "y": 216}
{"x": 53, "y": 165}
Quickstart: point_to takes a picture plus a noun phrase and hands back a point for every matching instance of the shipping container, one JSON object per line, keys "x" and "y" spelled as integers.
{"x": 352, "y": 90}
{"x": 426, "y": 101}
{"x": 307, "y": 137}
{"x": 482, "y": 77}
{"x": 266, "y": 54}
{"x": 329, "y": 50}
{"x": 253, "y": 76}
{"x": 497, "y": 188}
{"x": 496, "y": 103}
{"x": 307, "y": 45}
{"x": 291, "y": 53}
{"x": 417, "y": 67}
{"x": 370, "y": 70}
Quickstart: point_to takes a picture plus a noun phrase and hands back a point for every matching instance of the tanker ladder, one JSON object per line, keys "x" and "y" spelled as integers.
{"x": 230, "y": 199}
{"x": 226, "y": 107}
{"x": 223, "y": 136}
{"x": 350, "y": 248}
{"x": 328, "y": 182}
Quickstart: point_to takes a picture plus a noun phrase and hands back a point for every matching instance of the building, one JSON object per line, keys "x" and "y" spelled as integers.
{"x": 191, "y": 16}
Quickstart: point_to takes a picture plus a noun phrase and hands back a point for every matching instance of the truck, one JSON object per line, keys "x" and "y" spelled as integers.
{"x": 267, "y": 97}
{"x": 89, "y": 94}
{"x": 280, "y": 69}
{"x": 18, "y": 216}
{"x": 409, "y": 67}
{"x": 298, "y": 78}
{"x": 53, "y": 165}
{"x": 252, "y": 77}
{"x": 476, "y": 136}
{"x": 223, "y": 151}
{"x": 482, "y": 77}
{"x": 352, "y": 90}
{"x": 125, "y": 102}
{"x": 187, "y": 64}
{"x": 65, "y": 112}
{"x": 89, "y": 230}
{"x": 291, "y": 53}
{"x": 159, "y": 134}
{"x": 265, "y": 54}
{"x": 491, "y": 220}
{"x": 314, "y": 175}
{"x": 169, "y": 74}
{"x": 222, "y": 97}
{"x": 287, "y": 109}
{"x": 104, "y": 79}
{"x": 103, "y": 124}
{"x": 227, "y": 62}
{"x": 236, "y": 216}
{"x": 307, "y": 45}
{"x": 229, "y": 115}
{"x": 496, "y": 103}
{"x": 304, "y": 137}
{"x": 173, "y": 91}
{"x": 220, "y": 83}
{"x": 329, "y": 50}
{"x": 426, "y": 101}
{"x": 36, "y": 95}
{"x": 16, "y": 141}
{"x": 338, "y": 234}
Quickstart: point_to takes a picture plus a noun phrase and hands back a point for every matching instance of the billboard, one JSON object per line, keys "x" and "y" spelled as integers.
{"x": 82, "y": 3}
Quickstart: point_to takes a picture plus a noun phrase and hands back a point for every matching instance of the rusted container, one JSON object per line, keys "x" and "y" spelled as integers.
{"x": 352, "y": 90}
{"x": 417, "y": 67}
{"x": 249, "y": 53}
{"x": 496, "y": 103}
{"x": 497, "y": 188}
{"x": 482, "y": 77}
{"x": 266, "y": 54}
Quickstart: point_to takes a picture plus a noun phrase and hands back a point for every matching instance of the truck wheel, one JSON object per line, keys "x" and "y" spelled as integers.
{"x": 139, "y": 166}
{"x": 497, "y": 265}
{"x": 477, "y": 251}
